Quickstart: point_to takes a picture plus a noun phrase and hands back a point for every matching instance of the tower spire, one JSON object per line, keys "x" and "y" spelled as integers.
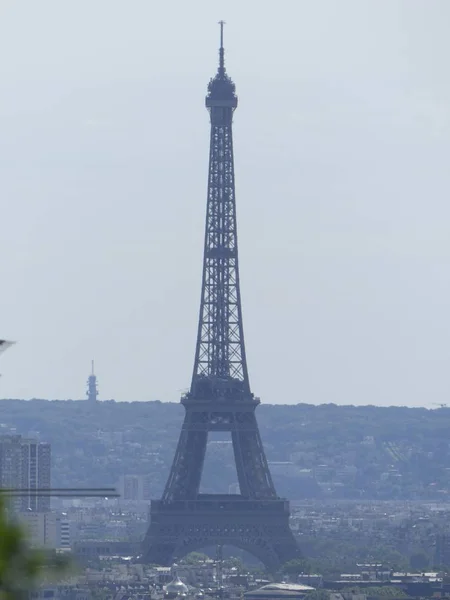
{"x": 221, "y": 88}
{"x": 221, "y": 51}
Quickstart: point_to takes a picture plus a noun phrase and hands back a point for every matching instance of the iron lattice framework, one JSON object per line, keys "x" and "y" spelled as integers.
{"x": 220, "y": 350}
{"x": 219, "y": 398}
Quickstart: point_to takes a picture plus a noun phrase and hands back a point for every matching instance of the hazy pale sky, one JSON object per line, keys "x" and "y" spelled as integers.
{"x": 342, "y": 144}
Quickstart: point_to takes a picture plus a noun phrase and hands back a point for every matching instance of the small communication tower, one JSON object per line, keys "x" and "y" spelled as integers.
{"x": 92, "y": 391}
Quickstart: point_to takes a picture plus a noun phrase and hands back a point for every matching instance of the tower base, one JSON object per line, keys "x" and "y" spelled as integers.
{"x": 260, "y": 527}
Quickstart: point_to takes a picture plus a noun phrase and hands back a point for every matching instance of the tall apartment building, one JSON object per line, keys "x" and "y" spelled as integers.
{"x": 26, "y": 464}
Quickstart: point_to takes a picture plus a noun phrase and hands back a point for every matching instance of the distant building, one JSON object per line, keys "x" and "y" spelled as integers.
{"x": 26, "y": 464}
{"x": 134, "y": 488}
{"x": 198, "y": 575}
{"x": 92, "y": 549}
{"x": 65, "y": 533}
{"x": 47, "y": 530}
{"x": 175, "y": 589}
{"x": 374, "y": 571}
{"x": 285, "y": 468}
{"x": 10, "y": 465}
{"x": 442, "y": 554}
{"x": 312, "y": 579}
{"x": 36, "y": 474}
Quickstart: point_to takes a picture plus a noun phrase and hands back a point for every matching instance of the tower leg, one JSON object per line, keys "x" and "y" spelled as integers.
{"x": 187, "y": 467}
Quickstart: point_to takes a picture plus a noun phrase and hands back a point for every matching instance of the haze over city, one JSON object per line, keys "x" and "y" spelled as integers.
{"x": 342, "y": 137}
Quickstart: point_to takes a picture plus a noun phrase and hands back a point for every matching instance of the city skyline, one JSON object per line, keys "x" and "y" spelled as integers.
{"x": 342, "y": 192}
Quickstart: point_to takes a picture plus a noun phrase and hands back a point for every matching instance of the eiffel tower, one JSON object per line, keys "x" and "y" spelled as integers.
{"x": 219, "y": 399}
